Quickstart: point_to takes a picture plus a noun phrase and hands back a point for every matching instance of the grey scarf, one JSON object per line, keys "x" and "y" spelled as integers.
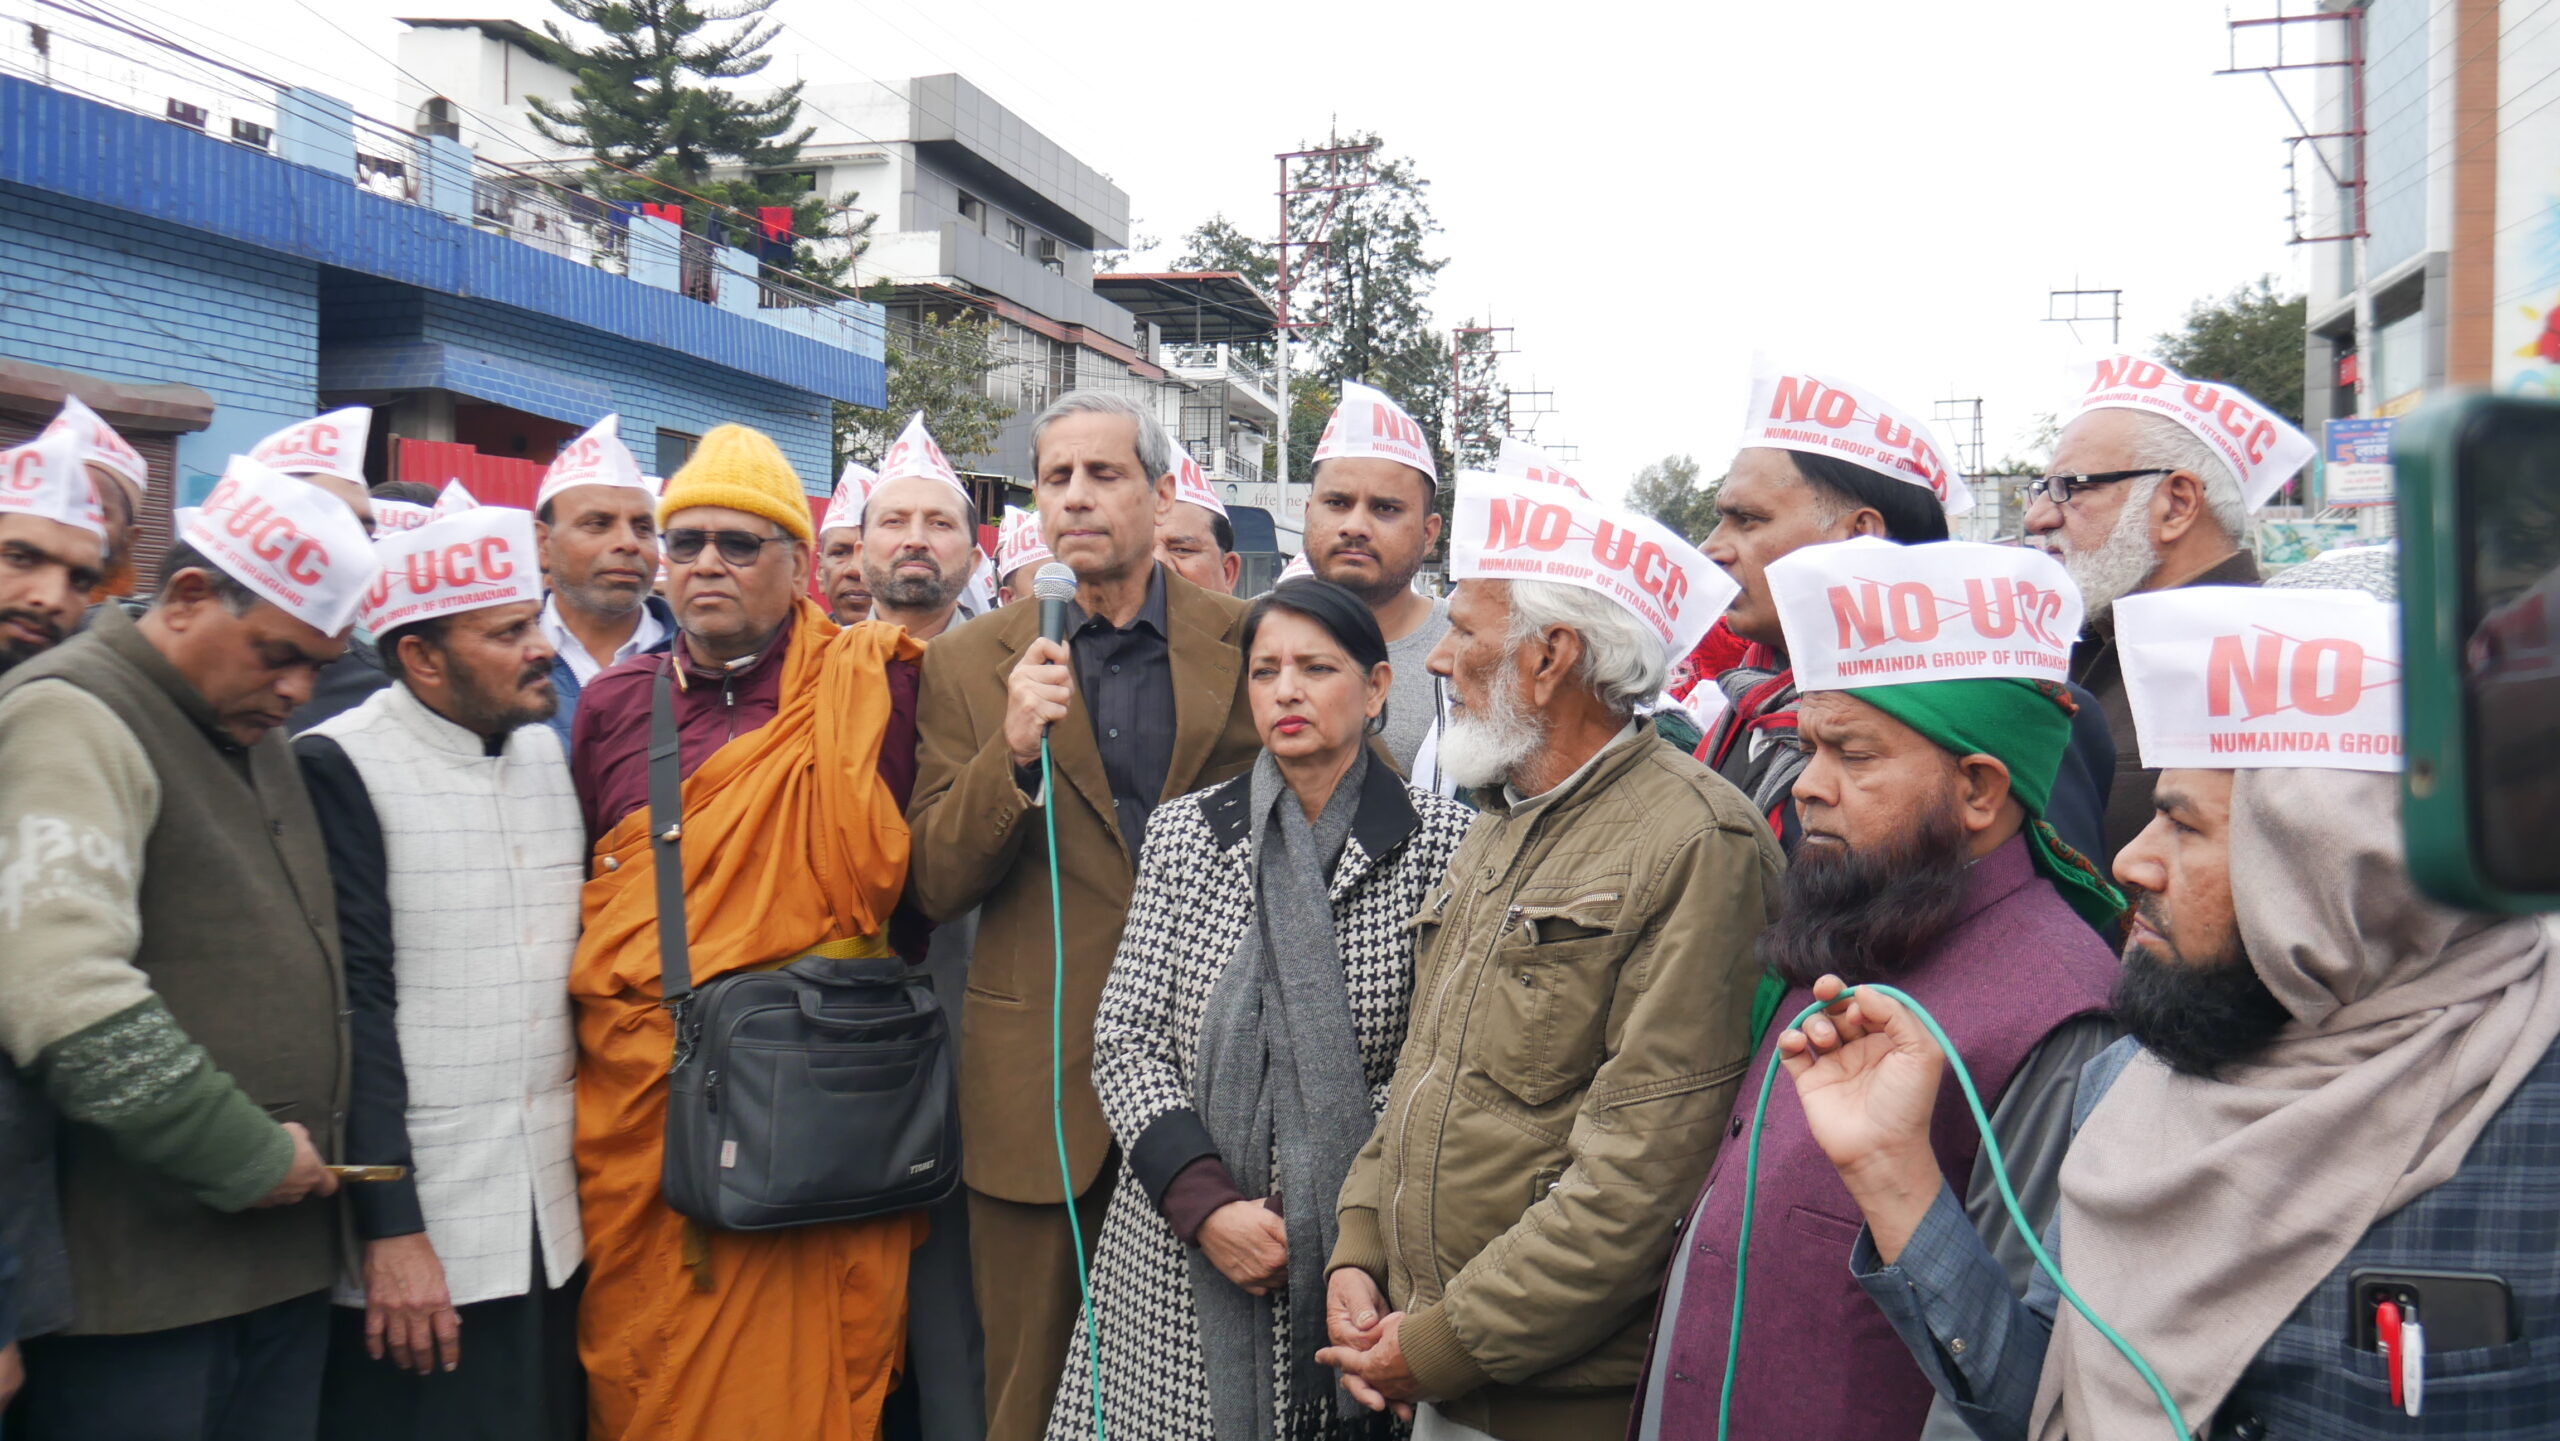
{"x": 1280, "y": 1084}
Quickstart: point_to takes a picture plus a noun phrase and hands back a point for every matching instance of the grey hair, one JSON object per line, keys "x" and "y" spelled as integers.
{"x": 1623, "y": 664}
{"x": 235, "y": 597}
{"x": 2163, "y": 444}
{"x": 1155, "y": 448}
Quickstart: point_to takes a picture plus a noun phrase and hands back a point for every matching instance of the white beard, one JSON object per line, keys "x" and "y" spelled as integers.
{"x": 2118, "y": 567}
{"x": 1483, "y": 750}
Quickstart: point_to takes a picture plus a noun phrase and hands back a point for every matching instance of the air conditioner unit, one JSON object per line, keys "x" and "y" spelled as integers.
{"x": 1048, "y": 251}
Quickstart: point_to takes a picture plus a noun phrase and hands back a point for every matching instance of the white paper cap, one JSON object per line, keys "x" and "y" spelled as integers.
{"x": 1520, "y": 460}
{"x": 454, "y": 499}
{"x": 1191, "y": 485}
{"x": 1018, "y": 542}
{"x": 596, "y": 458}
{"x": 393, "y": 516}
{"x": 331, "y": 444}
{"x": 915, "y": 453}
{"x": 1506, "y": 529}
{"x": 1823, "y": 414}
{"x": 1868, "y": 612}
{"x": 483, "y": 557}
{"x": 297, "y": 546}
{"x": 1368, "y": 423}
{"x": 2241, "y": 677}
{"x": 48, "y": 478}
{"x": 2261, "y": 447}
{"x": 853, "y": 491}
{"x": 1298, "y": 566}
{"x": 106, "y": 449}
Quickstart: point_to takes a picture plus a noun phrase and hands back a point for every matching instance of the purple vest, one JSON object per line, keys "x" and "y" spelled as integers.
{"x": 1819, "y": 1361}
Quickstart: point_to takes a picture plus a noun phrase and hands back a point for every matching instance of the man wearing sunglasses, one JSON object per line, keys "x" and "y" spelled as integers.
{"x": 2150, "y": 488}
{"x": 797, "y": 741}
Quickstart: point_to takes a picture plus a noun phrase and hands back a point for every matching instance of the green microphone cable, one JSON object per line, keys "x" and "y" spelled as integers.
{"x": 1058, "y": 1082}
{"x": 1999, "y": 1173}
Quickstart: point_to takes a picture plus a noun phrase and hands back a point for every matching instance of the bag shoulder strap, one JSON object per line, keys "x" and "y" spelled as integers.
{"x": 666, "y": 838}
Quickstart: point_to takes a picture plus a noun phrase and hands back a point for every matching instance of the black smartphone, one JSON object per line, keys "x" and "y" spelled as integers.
{"x": 2479, "y": 512}
{"x": 2462, "y": 1310}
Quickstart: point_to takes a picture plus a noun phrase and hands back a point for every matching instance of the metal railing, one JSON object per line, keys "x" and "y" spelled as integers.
{"x": 1236, "y": 367}
{"x": 103, "y": 60}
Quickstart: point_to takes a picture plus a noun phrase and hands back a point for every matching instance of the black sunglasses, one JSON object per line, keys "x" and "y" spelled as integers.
{"x": 737, "y": 547}
{"x": 2061, "y": 487}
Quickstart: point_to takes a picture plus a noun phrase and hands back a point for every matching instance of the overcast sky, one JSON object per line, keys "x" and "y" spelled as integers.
{"x": 1648, "y": 193}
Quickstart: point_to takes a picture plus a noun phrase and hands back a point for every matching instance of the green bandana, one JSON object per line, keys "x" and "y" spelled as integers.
{"x": 2026, "y": 726}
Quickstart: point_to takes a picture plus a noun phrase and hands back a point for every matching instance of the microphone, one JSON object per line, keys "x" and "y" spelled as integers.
{"x": 1055, "y": 585}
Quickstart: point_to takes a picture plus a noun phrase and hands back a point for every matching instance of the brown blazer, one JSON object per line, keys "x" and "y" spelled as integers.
{"x": 978, "y": 842}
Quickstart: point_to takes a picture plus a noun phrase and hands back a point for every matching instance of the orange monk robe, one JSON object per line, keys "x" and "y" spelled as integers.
{"x": 791, "y": 839}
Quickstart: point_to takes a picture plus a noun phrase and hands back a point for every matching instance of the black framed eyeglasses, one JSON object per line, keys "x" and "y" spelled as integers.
{"x": 2061, "y": 486}
{"x": 737, "y": 547}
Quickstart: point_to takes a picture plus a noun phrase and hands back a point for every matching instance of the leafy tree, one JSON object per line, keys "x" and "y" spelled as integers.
{"x": 1668, "y": 490}
{"x": 649, "y": 108}
{"x": 1369, "y": 288}
{"x": 1218, "y": 244}
{"x": 938, "y": 365}
{"x": 2251, "y": 338}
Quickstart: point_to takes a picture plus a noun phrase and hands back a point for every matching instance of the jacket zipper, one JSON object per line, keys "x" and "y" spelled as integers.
{"x": 1404, "y": 1129}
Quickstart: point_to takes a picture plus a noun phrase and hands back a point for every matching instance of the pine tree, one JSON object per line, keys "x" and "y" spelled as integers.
{"x": 649, "y": 108}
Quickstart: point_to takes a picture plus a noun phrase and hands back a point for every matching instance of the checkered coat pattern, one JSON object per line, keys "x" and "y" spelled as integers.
{"x": 1193, "y": 900}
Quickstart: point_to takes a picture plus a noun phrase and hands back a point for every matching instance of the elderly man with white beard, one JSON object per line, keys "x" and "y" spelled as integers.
{"x": 1582, "y": 992}
{"x": 2150, "y": 488}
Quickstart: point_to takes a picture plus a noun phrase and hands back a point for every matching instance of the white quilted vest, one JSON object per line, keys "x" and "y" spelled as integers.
{"x": 486, "y": 855}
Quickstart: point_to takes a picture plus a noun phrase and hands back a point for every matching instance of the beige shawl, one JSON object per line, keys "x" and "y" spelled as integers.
{"x": 2196, "y": 1215}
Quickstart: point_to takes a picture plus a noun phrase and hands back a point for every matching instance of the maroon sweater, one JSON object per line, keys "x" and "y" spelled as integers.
{"x": 609, "y": 738}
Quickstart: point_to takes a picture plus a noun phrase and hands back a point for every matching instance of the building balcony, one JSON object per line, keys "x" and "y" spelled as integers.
{"x": 1221, "y": 464}
{"x": 1253, "y": 390}
{"x": 956, "y": 253}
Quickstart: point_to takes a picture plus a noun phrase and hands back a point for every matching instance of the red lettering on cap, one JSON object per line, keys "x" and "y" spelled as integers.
{"x": 2346, "y": 676}
{"x": 275, "y": 534}
{"x": 494, "y": 561}
{"x": 309, "y": 561}
{"x": 1913, "y": 609}
{"x": 246, "y": 517}
{"x": 1861, "y": 614}
{"x": 2323, "y": 677}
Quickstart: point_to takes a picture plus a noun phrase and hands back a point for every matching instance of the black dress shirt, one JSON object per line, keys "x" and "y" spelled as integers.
{"x": 378, "y": 1081}
{"x": 1126, "y": 674}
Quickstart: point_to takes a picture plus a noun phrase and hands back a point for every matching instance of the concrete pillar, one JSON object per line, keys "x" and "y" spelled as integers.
{"x": 447, "y": 183}
{"x": 737, "y": 279}
{"x": 316, "y": 130}
{"x": 654, "y": 252}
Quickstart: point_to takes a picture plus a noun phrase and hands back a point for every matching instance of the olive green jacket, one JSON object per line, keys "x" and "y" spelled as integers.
{"x": 1580, "y": 1023}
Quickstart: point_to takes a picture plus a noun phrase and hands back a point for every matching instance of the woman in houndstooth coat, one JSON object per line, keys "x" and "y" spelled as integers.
{"x": 1243, "y": 1048}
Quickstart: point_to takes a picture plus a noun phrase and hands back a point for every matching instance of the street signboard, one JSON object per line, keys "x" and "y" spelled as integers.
{"x": 2356, "y": 467}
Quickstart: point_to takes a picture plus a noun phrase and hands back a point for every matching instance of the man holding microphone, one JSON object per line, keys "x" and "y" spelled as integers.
{"x": 1142, "y": 701}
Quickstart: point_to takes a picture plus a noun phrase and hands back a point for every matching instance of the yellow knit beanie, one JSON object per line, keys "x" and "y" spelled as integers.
{"x": 740, "y": 469}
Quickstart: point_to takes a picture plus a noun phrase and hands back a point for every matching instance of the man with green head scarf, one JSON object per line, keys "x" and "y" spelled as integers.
{"x": 1925, "y": 862}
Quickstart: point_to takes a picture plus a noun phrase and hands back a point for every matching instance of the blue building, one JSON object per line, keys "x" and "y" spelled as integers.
{"x": 205, "y": 275}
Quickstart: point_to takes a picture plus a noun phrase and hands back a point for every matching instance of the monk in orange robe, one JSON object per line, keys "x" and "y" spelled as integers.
{"x": 797, "y": 740}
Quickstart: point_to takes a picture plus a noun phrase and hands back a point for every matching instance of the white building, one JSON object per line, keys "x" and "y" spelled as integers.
{"x": 2461, "y": 203}
{"x": 976, "y": 212}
